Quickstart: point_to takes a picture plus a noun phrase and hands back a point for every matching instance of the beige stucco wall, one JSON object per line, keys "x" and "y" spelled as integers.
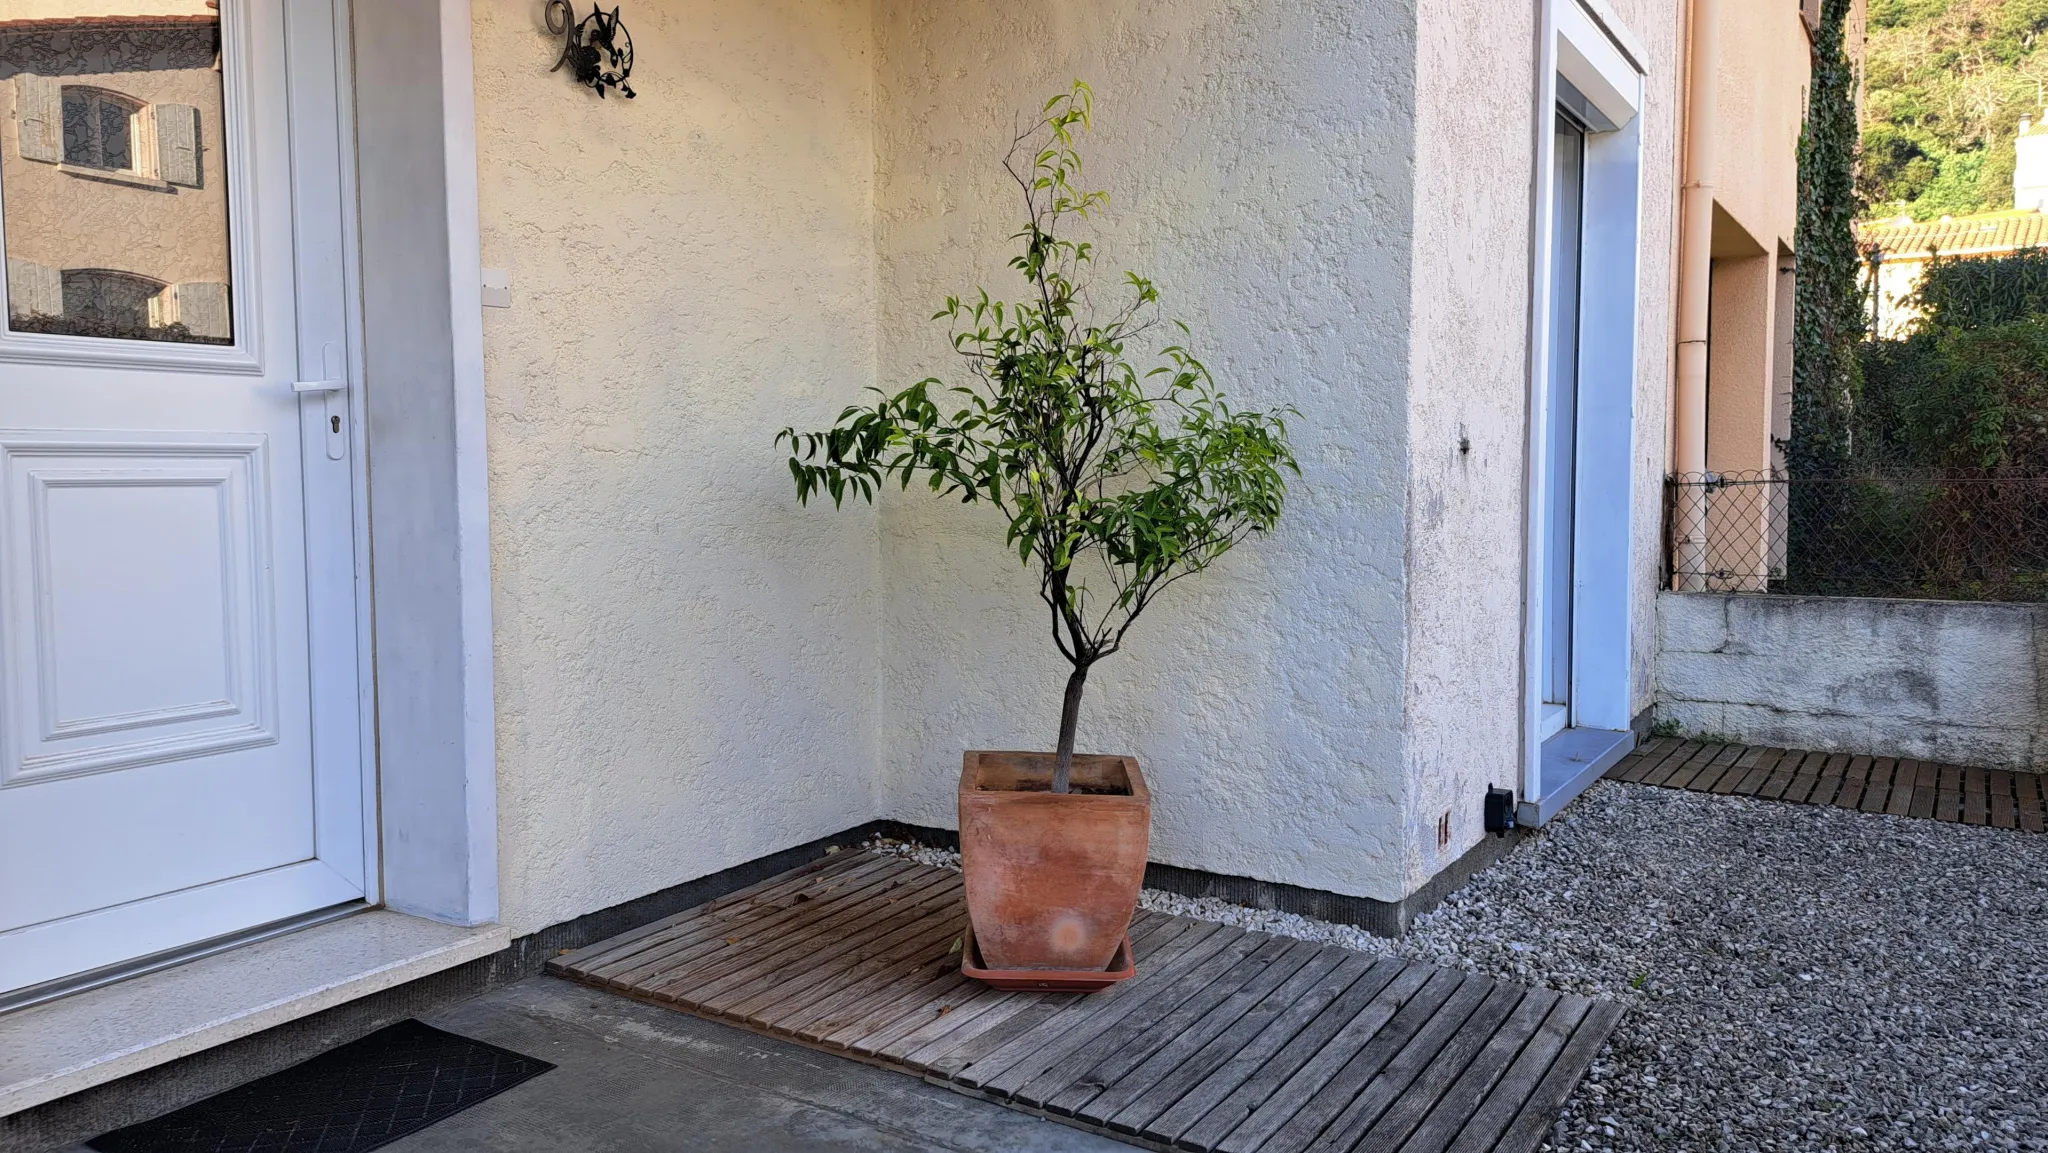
{"x": 1760, "y": 91}
{"x": 1258, "y": 161}
{"x": 693, "y": 672}
{"x": 686, "y": 661}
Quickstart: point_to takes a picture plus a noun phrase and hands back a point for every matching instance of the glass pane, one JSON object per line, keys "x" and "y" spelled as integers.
{"x": 112, "y": 172}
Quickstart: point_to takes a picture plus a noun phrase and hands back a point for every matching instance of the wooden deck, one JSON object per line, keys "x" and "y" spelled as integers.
{"x": 1896, "y": 785}
{"x": 1226, "y": 1039}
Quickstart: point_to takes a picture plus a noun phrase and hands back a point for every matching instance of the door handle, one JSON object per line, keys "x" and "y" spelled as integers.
{"x": 319, "y": 385}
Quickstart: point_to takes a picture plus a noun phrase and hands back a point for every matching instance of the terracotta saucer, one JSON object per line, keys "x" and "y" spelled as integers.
{"x": 1122, "y": 967}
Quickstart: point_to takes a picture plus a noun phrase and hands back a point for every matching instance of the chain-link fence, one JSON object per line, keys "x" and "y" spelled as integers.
{"x": 1945, "y": 536}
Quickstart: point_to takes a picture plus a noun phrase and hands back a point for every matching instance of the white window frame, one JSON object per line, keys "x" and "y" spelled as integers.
{"x": 1584, "y": 43}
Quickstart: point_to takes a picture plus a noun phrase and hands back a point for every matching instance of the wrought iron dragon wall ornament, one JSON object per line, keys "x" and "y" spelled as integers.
{"x": 597, "y": 48}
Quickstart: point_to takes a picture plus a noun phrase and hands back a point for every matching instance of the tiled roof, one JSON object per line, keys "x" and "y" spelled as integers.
{"x": 1982, "y": 233}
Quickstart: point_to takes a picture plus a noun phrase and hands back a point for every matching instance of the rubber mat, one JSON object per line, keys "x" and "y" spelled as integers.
{"x": 361, "y": 1096}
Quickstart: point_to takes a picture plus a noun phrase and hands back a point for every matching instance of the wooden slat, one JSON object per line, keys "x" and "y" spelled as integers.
{"x": 1649, "y": 751}
{"x": 1376, "y": 996}
{"x": 1709, "y": 781}
{"x": 1926, "y": 793}
{"x": 1671, "y": 766}
{"x": 1854, "y": 779}
{"x": 1948, "y": 799}
{"x": 1402, "y": 1095}
{"x": 2028, "y": 794}
{"x": 1642, "y": 768}
{"x": 907, "y": 931}
{"x": 1119, "y": 1051}
{"x": 1800, "y": 780}
{"x": 1710, "y": 771}
{"x": 1751, "y": 781}
{"x": 624, "y": 967}
{"x": 1225, "y": 1039}
{"x": 1180, "y": 1041}
{"x": 1482, "y": 1058}
{"x": 911, "y": 952}
{"x": 1197, "y": 1083}
{"x": 700, "y": 941}
{"x": 1904, "y": 778}
{"x": 1408, "y": 1033}
{"x": 1782, "y": 776}
{"x": 2000, "y": 785}
{"x": 1493, "y": 1116}
{"x": 1006, "y": 1069}
{"x": 611, "y": 948}
{"x": 750, "y": 961}
{"x": 1145, "y": 1008}
{"x": 1976, "y": 797}
{"x": 1830, "y": 781}
{"x": 1302, "y": 1070}
{"x": 989, "y": 1008}
{"x": 1877, "y": 794}
{"x": 1540, "y": 1108}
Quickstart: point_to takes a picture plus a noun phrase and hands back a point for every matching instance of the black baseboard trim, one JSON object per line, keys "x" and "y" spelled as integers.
{"x": 1382, "y": 918}
{"x": 176, "y": 1084}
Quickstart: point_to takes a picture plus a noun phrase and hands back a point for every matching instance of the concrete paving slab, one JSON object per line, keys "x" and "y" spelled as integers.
{"x": 634, "y": 1078}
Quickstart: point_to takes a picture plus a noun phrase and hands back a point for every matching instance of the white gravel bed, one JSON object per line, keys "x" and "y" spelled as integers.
{"x": 1798, "y": 978}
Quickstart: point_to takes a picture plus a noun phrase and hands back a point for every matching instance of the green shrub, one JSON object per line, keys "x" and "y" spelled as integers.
{"x": 1956, "y": 398}
{"x": 1979, "y": 292}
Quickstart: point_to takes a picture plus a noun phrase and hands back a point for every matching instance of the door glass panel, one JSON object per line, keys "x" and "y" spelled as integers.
{"x": 1562, "y": 409}
{"x": 112, "y": 173}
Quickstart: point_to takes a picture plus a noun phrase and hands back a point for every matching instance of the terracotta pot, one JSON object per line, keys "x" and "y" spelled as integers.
{"x": 1052, "y": 878}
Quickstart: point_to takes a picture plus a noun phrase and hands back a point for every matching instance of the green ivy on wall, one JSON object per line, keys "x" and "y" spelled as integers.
{"x": 1828, "y": 312}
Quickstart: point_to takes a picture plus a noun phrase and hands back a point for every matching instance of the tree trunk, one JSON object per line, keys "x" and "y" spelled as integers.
{"x": 1070, "y": 720}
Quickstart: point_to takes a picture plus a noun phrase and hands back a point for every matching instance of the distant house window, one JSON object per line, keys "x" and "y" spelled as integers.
{"x": 100, "y": 129}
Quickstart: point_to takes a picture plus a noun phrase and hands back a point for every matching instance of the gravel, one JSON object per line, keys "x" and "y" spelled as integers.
{"x": 1797, "y": 978}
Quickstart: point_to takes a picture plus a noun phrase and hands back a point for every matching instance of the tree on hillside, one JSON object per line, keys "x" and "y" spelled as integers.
{"x": 1947, "y": 81}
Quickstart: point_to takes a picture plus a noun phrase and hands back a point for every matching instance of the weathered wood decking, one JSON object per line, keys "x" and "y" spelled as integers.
{"x": 1226, "y": 1039}
{"x": 1900, "y": 786}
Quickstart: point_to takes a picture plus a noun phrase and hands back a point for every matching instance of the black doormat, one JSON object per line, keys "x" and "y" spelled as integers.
{"x": 361, "y": 1096}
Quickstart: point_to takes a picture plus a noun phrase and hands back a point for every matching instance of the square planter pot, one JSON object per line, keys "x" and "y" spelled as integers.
{"x": 1052, "y": 878}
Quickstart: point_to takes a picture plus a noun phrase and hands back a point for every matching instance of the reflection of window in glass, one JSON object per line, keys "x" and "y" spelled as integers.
{"x": 116, "y": 198}
{"x": 122, "y": 303}
{"x": 100, "y": 129}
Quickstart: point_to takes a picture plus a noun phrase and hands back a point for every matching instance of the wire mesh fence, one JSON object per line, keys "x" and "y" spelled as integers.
{"x": 1936, "y": 536}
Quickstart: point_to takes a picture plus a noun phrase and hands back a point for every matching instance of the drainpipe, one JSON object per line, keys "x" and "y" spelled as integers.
{"x": 1695, "y": 278}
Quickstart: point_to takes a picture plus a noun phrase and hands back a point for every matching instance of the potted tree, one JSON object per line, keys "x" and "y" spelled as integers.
{"x": 1117, "y": 479}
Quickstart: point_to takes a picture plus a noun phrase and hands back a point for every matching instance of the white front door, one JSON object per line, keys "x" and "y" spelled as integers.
{"x": 180, "y": 733}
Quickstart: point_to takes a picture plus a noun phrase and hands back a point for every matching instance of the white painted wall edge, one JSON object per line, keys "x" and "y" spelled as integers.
{"x": 472, "y": 469}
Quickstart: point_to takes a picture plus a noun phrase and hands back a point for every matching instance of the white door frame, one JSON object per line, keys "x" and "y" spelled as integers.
{"x": 419, "y": 244}
{"x": 1589, "y": 48}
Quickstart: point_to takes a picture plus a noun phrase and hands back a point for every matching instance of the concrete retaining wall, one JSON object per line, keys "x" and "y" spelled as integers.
{"x": 1940, "y": 680}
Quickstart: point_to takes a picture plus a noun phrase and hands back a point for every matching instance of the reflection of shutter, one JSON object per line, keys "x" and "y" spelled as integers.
{"x": 203, "y": 309}
{"x": 39, "y": 115}
{"x": 177, "y": 144}
{"x": 33, "y": 289}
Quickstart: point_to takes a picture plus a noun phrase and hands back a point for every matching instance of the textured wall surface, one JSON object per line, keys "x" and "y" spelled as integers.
{"x": 1469, "y": 360}
{"x": 686, "y": 661}
{"x": 693, "y": 672}
{"x": 1259, "y": 164}
{"x": 1476, "y": 128}
{"x": 1939, "y": 680}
